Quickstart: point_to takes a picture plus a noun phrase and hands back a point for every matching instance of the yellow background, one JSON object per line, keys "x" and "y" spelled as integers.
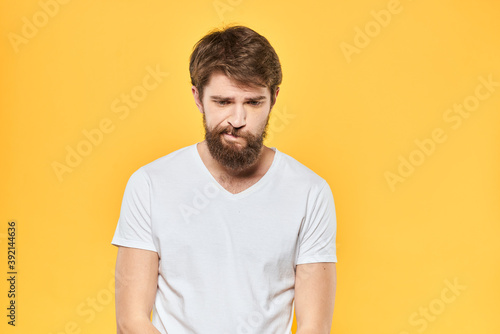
{"x": 350, "y": 119}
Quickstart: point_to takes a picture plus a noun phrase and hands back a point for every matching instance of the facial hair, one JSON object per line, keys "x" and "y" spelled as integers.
{"x": 229, "y": 154}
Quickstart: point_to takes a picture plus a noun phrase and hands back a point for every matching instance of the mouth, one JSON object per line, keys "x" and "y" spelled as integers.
{"x": 229, "y": 135}
{"x": 233, "y": 140}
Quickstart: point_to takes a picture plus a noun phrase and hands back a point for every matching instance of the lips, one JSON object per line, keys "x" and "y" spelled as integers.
{"x": 230, "y": 133}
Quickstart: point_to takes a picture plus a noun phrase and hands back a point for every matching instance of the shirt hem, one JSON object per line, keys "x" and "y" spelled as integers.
{"x": 317, "y": 259}
{"x": 132, "y": 244}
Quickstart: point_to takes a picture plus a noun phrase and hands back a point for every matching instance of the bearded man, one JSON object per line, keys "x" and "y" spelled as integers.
{"x": 227, "y": 235}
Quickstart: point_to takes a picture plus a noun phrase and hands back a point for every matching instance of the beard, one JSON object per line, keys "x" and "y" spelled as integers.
{"x": 232, "y": 155}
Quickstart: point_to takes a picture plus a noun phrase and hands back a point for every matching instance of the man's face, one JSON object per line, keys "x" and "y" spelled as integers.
{"x": 235, "y": 120}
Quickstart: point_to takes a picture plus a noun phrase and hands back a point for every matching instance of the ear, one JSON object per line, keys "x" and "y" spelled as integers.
{"x": 196, "y": 95}
{"x": 275, "y": 96}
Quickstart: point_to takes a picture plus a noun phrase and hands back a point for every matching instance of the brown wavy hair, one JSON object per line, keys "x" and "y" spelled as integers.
{"x": 241, "y": 54}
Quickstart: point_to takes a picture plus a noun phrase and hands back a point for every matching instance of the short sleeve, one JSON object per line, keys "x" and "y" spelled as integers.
{"x": 317, "y": 237}
{"x": 134, "y": 225}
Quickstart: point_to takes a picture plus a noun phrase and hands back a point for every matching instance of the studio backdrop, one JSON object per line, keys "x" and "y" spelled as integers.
{"x": 394, "y": 102}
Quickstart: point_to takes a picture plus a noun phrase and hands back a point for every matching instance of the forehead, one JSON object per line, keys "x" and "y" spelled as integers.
{"x": 220, "y": 84}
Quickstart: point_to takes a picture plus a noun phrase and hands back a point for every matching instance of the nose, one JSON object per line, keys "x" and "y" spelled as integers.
{"x": 238, "y": 116}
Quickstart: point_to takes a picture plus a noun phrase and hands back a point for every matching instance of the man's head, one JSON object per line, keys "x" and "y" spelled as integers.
{"x": 235, "y": 75}
{"x": 241, "y": 54}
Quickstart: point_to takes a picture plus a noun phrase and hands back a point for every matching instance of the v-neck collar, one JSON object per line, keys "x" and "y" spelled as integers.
{"x": 249, "y": 190}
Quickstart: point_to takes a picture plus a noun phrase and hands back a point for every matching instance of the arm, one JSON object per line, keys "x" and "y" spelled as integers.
{"x": 315, "y": 285}
{"x": 135, "y": 284}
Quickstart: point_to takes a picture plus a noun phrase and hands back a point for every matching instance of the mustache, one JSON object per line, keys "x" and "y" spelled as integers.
{"x": 230, "y": 130}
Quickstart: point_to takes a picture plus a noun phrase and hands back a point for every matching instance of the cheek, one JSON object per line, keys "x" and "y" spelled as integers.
{"x": 214, "y": 120}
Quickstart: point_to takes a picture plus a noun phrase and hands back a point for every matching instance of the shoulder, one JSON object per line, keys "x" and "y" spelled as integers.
{"x": 297, "y": 172}
{"x": 170, "y": 164}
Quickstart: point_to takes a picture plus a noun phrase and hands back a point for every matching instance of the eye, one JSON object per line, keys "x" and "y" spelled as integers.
{"x": 222, "y": 102}
{"x": 255, "y": 103}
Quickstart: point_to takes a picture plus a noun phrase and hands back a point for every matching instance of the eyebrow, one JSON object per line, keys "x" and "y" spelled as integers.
{"x": 220, "y": 97}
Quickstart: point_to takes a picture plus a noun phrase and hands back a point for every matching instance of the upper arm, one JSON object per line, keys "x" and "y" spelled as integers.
{"x": 317, "y": 234}
{"x": 315, "y": 285}
{"x": 136, "y": 281}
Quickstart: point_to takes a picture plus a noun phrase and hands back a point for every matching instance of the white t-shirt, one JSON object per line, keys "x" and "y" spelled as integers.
{"x": 227, "y": 261}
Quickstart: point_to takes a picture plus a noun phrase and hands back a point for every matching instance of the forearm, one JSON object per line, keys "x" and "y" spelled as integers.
{"x": 135, "y": 291}
{"x": 311, "y": 331}
{"x": 139, "y": 326}
{"x": 315, "y": 286}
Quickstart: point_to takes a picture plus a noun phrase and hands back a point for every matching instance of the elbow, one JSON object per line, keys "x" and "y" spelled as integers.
{"x": 313, "y": 330}
{"x": 127, "y": 325}
{"x": 123, "y": 326}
